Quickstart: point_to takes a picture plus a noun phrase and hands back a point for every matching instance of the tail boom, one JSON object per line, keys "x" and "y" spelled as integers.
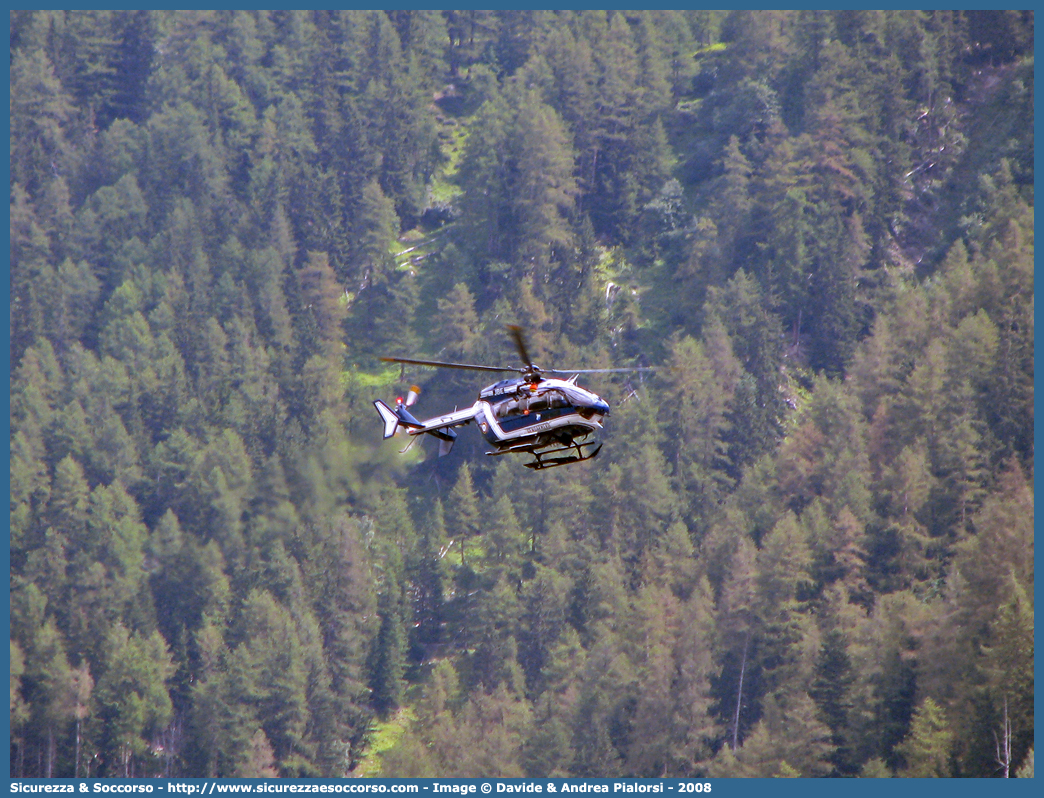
{"x": 441, "y": 427}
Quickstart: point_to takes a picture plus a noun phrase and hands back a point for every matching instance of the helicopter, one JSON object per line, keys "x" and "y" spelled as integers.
{"x": 533, "y": 414}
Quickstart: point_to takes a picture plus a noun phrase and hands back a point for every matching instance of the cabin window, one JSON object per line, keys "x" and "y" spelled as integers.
{"x": 546, "y": 400}
{"x": 557, "y": 399}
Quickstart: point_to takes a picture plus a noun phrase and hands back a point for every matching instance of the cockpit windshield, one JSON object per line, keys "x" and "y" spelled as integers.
{"x": 546, "y": 400}
{"x": 576, "y": 397}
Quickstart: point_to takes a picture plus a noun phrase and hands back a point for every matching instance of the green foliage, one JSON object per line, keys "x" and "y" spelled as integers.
{"x": 386, "y": 683}
{"x": 813, "y": 516}
{"x": 927, "y": 748}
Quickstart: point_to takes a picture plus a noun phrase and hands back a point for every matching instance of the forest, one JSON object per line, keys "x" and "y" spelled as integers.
{"x": 806, "y": 547}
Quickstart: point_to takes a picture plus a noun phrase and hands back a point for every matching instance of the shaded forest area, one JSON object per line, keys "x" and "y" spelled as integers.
{"x": 807, "y": 545}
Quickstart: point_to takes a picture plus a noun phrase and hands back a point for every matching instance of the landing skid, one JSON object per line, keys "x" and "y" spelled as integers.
{"x": 579, "y": 456}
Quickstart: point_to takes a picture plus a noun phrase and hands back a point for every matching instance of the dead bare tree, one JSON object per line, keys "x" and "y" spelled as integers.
{"x": 1003, "y": 743}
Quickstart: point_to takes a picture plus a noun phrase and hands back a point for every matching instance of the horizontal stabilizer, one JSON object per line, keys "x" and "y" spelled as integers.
{"x": 406, "y": 418}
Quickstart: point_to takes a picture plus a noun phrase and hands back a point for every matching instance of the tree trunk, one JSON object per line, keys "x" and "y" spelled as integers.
{"x": 76, "y": 760}
{"x": 739, "y": 694}
{"x": 1004, "y": 743}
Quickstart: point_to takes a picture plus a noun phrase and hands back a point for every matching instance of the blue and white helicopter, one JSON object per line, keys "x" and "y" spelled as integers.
{"x": 532, "y": 414}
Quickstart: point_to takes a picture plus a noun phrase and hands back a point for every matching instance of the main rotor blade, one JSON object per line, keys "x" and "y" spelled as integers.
{"x": 441, "y": 365}
{"x": 520, "y": 344}
{"x": 600, "y": 371}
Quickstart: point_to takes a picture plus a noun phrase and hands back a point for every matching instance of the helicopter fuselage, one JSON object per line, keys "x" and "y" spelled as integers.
{"x": 535, "y": 414}
{"x": 516, "y": 416}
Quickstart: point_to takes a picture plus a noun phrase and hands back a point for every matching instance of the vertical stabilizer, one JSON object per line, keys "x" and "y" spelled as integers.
{"x": 391, "y": 421}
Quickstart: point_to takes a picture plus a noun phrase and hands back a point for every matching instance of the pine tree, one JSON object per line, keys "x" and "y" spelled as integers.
{"x": 270, "y": 661}
{"x": 483, "y": 174}
{"x": 20, "y": 709}
{"x": 458, "y": 324}
{"x": 700, "y": 386}
{"x": 541, "y": 623}
{"x": 463, "y": 521}
{"x": 541, "y": 196}
{"x": 738, "y": 622}
{"x": 504, "y": 538}
{"x": 324, "y": 298}
{"x": 546, "y": 752}
{"x": 221, "y": 712}
{"x": 386, "y": 671}
{"x": 133, "y": 703}
{"x": 831, "y": 690}
{"x": 788, "y": 742}
{"x": 757, "y": 406}
{"x": 260, "y": 761}
{"x": 1009, "y": 667}
{"x": 653, "y": 733}
{"x": 927, "y": 748}
{"x": 694, "y": 655}
{"x": 41, "y": 111}
{"x": 375, "y": 228}
{"x": 428, "y": 582}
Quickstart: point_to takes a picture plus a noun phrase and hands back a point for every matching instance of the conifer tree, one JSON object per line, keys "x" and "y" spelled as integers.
{"x": 132, "y": 701}
{"x": 1009, "y": 665}
{"x": 463, "y": 521}
{"x": 927, "y": 748}
{"x": 386, "y": 671}
{"x": 541, "y": 196}
{"x": 41, "y": 110}
{"x": 831, "y": 691}
{"x": 428, "y": 581}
